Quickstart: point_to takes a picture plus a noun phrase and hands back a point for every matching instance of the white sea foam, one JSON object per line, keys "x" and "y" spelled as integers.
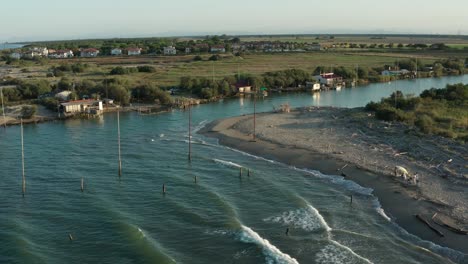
{"x": 219, "y": 232}
{"x": 200, "y": 125}
{"x": 250, "y": 155}
{"x": 350, "y": 251}
{"x": 333, "y": 254}
{"x": 338, "y": 180}
{"x": 452, "y": 254}
{"x": 227, "y": 163}
{"x": 320, "y": 217}
{"x": 307, "y": 219}
{"x": 335, "y": 179}
{"x": 310, "y": 219}
{"x": 380, "y": 210}
{"x": 272, "y": 253}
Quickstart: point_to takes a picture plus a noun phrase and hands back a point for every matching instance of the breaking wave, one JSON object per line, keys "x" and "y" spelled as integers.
{"x": 272, "y": 253}
{"x": 310, "y": 219}
{"x": 227, "y": 163}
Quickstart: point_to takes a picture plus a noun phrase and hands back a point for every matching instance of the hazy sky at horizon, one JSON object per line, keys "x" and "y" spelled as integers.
{"x": 23, "y": 20}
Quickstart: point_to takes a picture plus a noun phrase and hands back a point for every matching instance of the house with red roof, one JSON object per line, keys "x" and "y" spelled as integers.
{"x": 133, "y": 51}
{"x": 329, "y": 79}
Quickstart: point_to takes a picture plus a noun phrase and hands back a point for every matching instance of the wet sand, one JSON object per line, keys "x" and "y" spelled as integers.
{"x": 327, "y": 139}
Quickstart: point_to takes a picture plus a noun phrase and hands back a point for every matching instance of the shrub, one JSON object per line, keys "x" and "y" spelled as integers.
{"x": 372, "y": 106}
{"x": 198, "y": 58}
{"x": 215, "y": 58}
{"x": 121, "y": 70}
{"x": 28, "y": 111}
{"x": 425, "y": 123}
{"x": 146, "y": 69}
{"x": 78, "y": 67}
{"x": 49, "y": 103}
{"x": 118, "y": 71}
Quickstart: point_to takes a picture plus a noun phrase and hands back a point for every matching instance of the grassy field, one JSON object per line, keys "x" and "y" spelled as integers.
{"x": 169, "y": 69}
{"x": 362, "y": 39}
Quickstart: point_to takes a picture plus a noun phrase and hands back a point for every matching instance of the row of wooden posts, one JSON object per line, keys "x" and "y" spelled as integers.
{"x": 119, "y": 149}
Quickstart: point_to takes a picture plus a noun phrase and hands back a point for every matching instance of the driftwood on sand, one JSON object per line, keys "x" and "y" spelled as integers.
{"x": 451, "y": 227}
{"x": 420, "y": 218}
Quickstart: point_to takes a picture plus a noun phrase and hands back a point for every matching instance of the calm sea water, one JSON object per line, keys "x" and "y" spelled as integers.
{"x": 10, "y": 46}
{"x": 223, "y": 218}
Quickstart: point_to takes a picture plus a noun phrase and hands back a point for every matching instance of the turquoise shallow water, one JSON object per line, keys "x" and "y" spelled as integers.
{"x": 221, "y": 218}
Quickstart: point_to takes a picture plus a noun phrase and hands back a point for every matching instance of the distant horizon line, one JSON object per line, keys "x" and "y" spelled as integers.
{"x": 247, "y": 35}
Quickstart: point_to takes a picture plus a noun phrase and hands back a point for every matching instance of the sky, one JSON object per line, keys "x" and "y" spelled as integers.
{"x": 33, "y": 20}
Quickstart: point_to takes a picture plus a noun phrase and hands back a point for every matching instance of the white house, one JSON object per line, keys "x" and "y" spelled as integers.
{"x": 91, "y": 52}
{"x": 188, "y": 50}
{"x": 170, "y": 50}
{"x": 329, "y": 79}
{"x": 36, "y": 52}
{"x": 133, "y": 51}
{"x": 60, "y": 54}
{"x": 16, "y": 55}
{"x": 116, "y": 51}
{"x": 40, "y": 51}
{"x": 218, "y": 49}
{"x": 81, "y": 106}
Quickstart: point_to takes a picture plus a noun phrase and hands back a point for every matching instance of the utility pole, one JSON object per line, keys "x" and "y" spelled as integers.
{"x": 255, "y": 115}
{"x": 22, "y": 159}
{"x": 190, "y": 133}
{"x": 118, "y": 142}
{"x": 3, "y": 108}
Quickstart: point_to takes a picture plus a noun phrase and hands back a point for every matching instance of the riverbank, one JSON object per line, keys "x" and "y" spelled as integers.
{"x": 328, "y": 139}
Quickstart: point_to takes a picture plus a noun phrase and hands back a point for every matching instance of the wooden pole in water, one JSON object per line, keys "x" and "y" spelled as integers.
{"x": 82, "y": 184}
{"x": 164, "y": 189}
{"x": 351, "y": 199}
{"x": 3, "y": 108}
{"x": 22, "y": 158}
{"x": 118, "y": 136}
{"x": 255, "y": 115}
{"x": 248, "y": 172}
{"x": 190, "y": 132}
{"x": 240, "y": 172}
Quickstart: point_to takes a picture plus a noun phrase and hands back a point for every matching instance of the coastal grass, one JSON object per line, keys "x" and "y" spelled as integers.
{"x": 169, "y": 69}
{"x": 442, "y": 112}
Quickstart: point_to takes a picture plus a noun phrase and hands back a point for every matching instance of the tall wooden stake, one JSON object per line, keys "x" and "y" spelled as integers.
{"x": 255, "y": 115}
{"x": 118, "y": 135}
{"x": 3, "y": 108}
{"x": 190, "y": 133}
{"x": 22, "y": 158}
{"x": 82, "y": 184}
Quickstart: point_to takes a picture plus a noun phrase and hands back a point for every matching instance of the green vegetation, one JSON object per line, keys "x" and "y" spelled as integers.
{"x": 28, "y": 111}
{"x": 209, "y": 88}
{"x": 128, "y": 70}
{"x": 216, "y": 75}
{"x": 436, "y": 111}
{"x": 151, "y": 94}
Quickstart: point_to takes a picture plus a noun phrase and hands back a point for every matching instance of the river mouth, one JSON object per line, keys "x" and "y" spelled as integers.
{"x": 221, "y": 216}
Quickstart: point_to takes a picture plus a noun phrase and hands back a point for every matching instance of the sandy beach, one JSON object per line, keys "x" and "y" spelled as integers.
{"x": 352, "y": 143}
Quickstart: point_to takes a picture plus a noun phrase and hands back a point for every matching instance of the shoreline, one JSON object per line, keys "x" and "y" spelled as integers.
{"x": 399, "y": 201}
